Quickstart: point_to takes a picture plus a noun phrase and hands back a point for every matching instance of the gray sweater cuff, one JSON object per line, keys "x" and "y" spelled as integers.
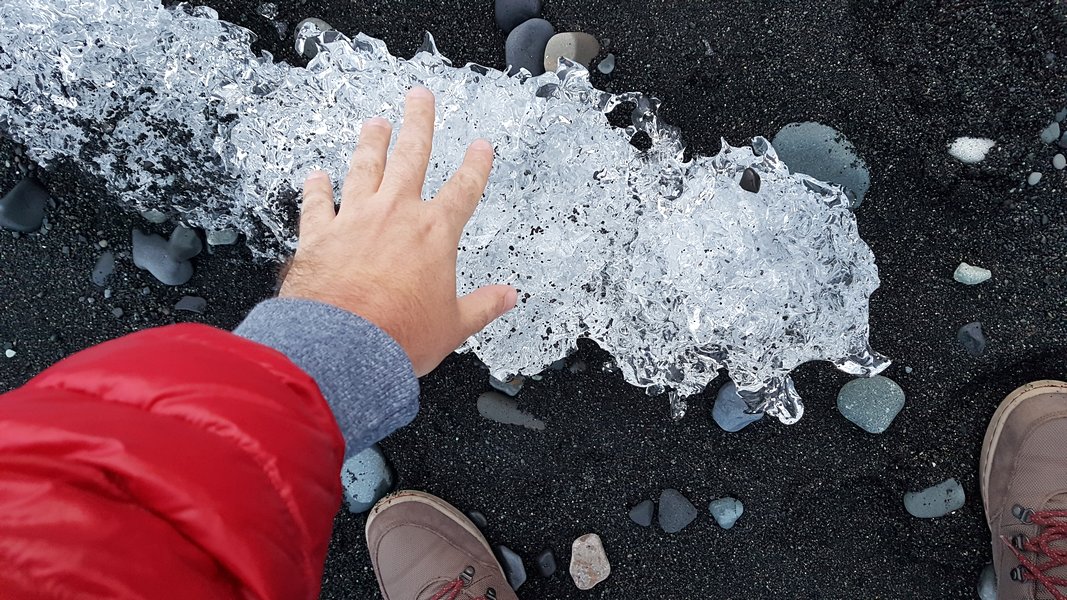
{"x": 365, "y": 376}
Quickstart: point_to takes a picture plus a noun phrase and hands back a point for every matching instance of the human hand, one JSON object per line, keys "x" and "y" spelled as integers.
{"x": 387, "y": 255}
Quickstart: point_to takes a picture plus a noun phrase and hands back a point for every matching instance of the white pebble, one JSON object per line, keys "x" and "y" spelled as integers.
{"x": 1034, "y": 178}
{"x": 970, "y": 150}
{"x": 970, "y": 274}
{"x": 1051, "y": 133}
{"x": 1059, "y": 161}
{"x": 9, "y": 353}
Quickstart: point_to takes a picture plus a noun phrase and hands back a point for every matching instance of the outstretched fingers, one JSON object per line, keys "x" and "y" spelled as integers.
{"x": 462, "y": 192}
{"x": 405, "y": 170}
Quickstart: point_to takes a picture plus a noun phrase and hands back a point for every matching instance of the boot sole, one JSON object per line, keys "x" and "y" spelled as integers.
{"x": 996, "y": 424}
{"x": 438, "y": 504}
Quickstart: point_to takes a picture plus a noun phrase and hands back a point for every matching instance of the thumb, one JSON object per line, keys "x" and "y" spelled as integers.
{"x": 482, "y": 306}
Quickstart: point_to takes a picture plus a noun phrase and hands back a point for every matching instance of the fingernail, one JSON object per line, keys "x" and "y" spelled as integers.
{"x": 317, "y": 174}
{"x": 482, "y": 145}
{"x": 419, "y": 91}
{"x": 510, "y": 299}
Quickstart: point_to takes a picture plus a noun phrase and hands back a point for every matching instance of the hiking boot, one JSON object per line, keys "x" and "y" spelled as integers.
{"x": 1023, "y": 475}
{"x": 423, "y": 548}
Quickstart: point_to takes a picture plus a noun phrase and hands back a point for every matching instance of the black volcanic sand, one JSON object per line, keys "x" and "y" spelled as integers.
{"x": 823, "y": 510}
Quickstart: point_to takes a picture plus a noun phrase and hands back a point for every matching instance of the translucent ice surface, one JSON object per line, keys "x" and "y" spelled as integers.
{"x": 666, "y": 263}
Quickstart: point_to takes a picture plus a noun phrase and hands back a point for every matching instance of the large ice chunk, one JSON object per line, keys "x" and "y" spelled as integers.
{"x": 666, "y": 263}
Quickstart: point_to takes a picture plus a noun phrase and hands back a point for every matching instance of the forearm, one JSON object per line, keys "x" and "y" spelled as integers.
{"x": 365, "y": 376}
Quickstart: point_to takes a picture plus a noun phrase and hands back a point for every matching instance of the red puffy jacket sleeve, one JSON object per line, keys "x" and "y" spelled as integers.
{"x": 180, "y": 462}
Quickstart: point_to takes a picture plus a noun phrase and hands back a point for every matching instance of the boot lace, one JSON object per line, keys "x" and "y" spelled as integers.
{"x": 1053, "y": 524}
{"x": 452, "y": 589}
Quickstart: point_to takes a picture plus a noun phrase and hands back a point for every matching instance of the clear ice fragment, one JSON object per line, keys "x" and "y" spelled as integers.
{"x": 665, "y": 262}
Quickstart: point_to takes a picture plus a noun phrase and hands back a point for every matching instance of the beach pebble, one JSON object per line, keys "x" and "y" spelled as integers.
{"x": 970, "y": 150}
{"x": 1051, "y": 133}
{"x": 478, "y": 518}
{"x": 510, "y": 387}
{"x": 750, "y": 181}
{"x": 184, "y": 243}
{"x": 1059, "y": 162}
{"x": 499, "y": 408}
{"x": 525, "y": 46}
{"x": 117, "y": 312}
{"x": 514, "y": 570}
{"x": 642, "y": 513}
{"x": 1034, "y": 178}
{"x": 166, "y": 260}
{"x": 154, "y": 216}
{"x": 729, "y": 410}
{"x": 105, "y": 265}
{"x": 935, "y": 501}
{"x": 871, "y": 403}
{"x": 987, "y": 583}
{"x": 607, "y": 65}
{"x": 589, "y": 562}
{"x": 546, "y": 564}
{"x": 23, "y": 208}
{"x": 511, "y": 13}
{"x": 576, "y": 46}
{"x": 726, "y": 511}
{"x": 825, "y": 154}
{"x": 366, "y": 479}
{"x": 971, "y": 337}
{"x": 1062, "y": 143}
{"x": 676, "y": 512}
{"x": 193, "y": 304}
{"x": 10, "y": 353}
{"x": 970, "y": 274}
{"x": 221, "y": 237}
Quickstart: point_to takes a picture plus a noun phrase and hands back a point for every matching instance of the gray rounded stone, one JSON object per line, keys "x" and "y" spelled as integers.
{"x": 1059, "y": 162}
{"x": 512, "y": 13}
{"x": 576, "y": 46}
{"x": 184, "y": 243}
{"x": 514, "y": 570}
{"x": 1034, "y": 178}
{"x": 823, "y": 153}
{"x": 154, "y": 216}
{"x": 366, "y": 478}
{"x": 971, "y": 337}
{"x": 221, "y": 237}
{"x": 730, "y": 410}
{"x": 935, "y": 501}
{"x": 525, "y": 46}
{"x": 152, "y": 253}
{"x": 23, "y": 208}
{"x": 987, "y": 583}
{"x": 676, "y": 512}
{"x": 726, "y": 511}
{"x": 872, "y": 403}
{"x": 1051, "y": 133}
{"x": 546, "y": 563}
{"x": 193, "y": 304}
{"x": 642, "y": 513}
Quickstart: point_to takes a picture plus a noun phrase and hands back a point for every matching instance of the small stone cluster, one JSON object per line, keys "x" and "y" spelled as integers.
{"x": 533, "y": 44}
